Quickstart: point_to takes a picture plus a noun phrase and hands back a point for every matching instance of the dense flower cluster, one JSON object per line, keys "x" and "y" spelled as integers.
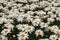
{"x": 29, "y": 19}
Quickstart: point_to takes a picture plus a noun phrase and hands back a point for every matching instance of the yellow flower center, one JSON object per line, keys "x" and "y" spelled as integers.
{"x": 53, "y": 38}
{"x": 22, "y": 26}
{"x": 43, "y": 24}
{"x": 0, "y": 38}
{"x": 29, "y": 28}
{"x": 29, "y": 18}
{"x": 36, "y": 22}
{"x": 22, "y": 35}
{"x": 39, "y": 33}
{"x": 58, "y": 32}
{"x": 11, "y": 26}
{"x": 58, "y": 18}
{"x": 6, "y": 31}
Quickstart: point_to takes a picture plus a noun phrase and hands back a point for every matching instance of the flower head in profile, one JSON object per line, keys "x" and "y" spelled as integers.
{"x": 9, "y": 26}
{"x": 3, "y": 20}
{"x": 29, "y": 18}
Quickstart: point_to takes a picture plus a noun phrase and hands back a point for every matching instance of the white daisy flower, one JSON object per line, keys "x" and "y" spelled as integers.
{"x": 9, "y": 26}
{"x": 50, "y": 13}
{"x": 9, "y": 21}
{"x": 46, "y": 16}
{"x": 21, "y": 27}
{"x": 33, "y": 0}
{"x": 53, "y": 37}
{"x": 30, "y": 29}
{"x": 57, "y": 32}
{"x": 24, "y": 1}
{"x": 43, "y": 25}
{"x": 55, "y": 4}
{"x": 58, "y": 18}
{"x": 22, "y": 36}
{"x": 5, "y": 31}
{"x": 39, "y": 32}
{"x": 53, "y": 9}
{"x": 3, "y": 37}
{"x": 36, "y": 22}
{"x": 59, "y": 38}
{"x": 50, "y": 19}
{"x": 47, "y": 9}
{"x": 33, "y": 6}
{"x": 20, "y": 17}
{"x": 41, "y": 12}
{"x": 53, "y": 16}
{"x": 30, "y": 12}
{"x": 36, "y": 17}
{"x": 44, "y": 39}
{"x": 19, "y": 5}
{"x": 54, "y": 28}
{"x": 29, "y": 19}
{"x": 3, "y": 20}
